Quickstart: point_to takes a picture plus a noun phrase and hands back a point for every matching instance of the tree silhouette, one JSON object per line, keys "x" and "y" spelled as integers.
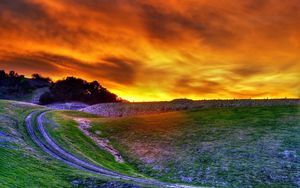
{"x": 13, "y": 85}
{"x": 74, "y": 89}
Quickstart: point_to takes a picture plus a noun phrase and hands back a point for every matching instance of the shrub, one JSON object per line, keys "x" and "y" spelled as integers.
{"x": 46, "y": 98}
{"x": 75, "y": 89}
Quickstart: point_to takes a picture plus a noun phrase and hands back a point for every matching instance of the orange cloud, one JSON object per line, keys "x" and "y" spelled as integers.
{"x": 158, "y": 50}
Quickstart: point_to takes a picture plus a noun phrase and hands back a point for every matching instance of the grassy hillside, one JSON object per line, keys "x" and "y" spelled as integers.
{"x": 230, "y": 147}
{"x": 67, "y": 134}
{"x": 146, "y": 108}
{"x": 22, "y": 164}
{"x": 238, "y": 146}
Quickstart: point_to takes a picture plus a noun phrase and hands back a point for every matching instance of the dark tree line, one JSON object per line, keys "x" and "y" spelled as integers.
{"x": 74, "y": 89}
{"x": 13, "y": 85}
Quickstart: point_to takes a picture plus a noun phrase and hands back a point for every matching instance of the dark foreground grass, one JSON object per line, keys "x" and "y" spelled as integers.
{"x": 230, "y": 147}
{"x": 22, "y": 164}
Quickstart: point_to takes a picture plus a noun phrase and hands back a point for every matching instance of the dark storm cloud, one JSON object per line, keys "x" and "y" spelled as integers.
{"x": 189, "y": 85}
{"x": 210, "y": 25}
{"x": 196, "y": 86}
{"x": 20, "y": 12}
{"x": 99, "y": 5}
{"x": 22, "y": 9}
{"x": 23, "y": 62}
{"x": 249, "y": 70}
{"x": 205, "y": 23}
{"x": 166, "y": 26}
{"x": 121, "y": 70}
{"x": 256, "y": 4}
{"x": 113, "y": 69}
{"x": 20, "y": 16}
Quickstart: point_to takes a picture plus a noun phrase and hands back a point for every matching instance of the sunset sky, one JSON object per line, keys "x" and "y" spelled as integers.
{"x": 158, "y": 49}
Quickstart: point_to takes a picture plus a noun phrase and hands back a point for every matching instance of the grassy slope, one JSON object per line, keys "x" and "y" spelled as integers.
{"x": 22, "y": 164}
{"x": 258, "y": 146}
{"x": 66, "y": 133}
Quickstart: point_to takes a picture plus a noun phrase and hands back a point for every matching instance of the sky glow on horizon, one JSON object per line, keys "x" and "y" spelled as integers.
{"x": 153, "y": 50}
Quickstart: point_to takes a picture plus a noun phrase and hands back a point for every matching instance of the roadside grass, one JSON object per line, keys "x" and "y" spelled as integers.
{"x": 19, "y": 169}
{"x": 238, "y": 146}
{"x": 23, "y": 164}
{"x": 64, "y": 130}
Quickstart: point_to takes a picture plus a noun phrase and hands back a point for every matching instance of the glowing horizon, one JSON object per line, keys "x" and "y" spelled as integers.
{"x": 158, "y": 50}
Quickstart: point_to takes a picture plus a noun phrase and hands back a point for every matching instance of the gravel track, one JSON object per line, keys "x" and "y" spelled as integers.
{"x": 64, "y": 153}
{"x": 55, "y": 151}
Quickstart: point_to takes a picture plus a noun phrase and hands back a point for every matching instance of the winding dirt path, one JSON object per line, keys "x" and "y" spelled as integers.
{"x": 84, "y": 126}
{"x": 47, "y": 144}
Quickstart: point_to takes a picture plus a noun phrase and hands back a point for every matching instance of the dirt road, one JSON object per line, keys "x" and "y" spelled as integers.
{"x": 48, "y": 145}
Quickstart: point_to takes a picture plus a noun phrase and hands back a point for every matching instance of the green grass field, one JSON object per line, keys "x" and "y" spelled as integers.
{"x": 220, "y": 147}
{"x": 66, "y": 133}
{"x": 22, "y": 164}
{"x": 230, "y": 147}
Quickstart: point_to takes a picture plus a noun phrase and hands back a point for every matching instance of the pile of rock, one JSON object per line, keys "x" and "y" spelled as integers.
{"x": 140, "y": 108}
{"x": 67, "y": 106}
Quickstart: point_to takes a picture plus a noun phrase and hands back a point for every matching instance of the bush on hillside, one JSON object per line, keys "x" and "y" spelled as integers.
{"x": 46, "y": 98}
{"x": 39, "y": 81}
{"x": 13, "y": 85}
{"x": 74, "y": 89}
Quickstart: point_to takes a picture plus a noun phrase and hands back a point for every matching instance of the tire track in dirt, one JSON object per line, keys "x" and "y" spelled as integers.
{"x": 102, "y": 143}
{"x": 55, "y": 151}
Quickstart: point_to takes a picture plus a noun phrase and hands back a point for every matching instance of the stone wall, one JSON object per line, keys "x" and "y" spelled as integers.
{"x": 140, "y": 108}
